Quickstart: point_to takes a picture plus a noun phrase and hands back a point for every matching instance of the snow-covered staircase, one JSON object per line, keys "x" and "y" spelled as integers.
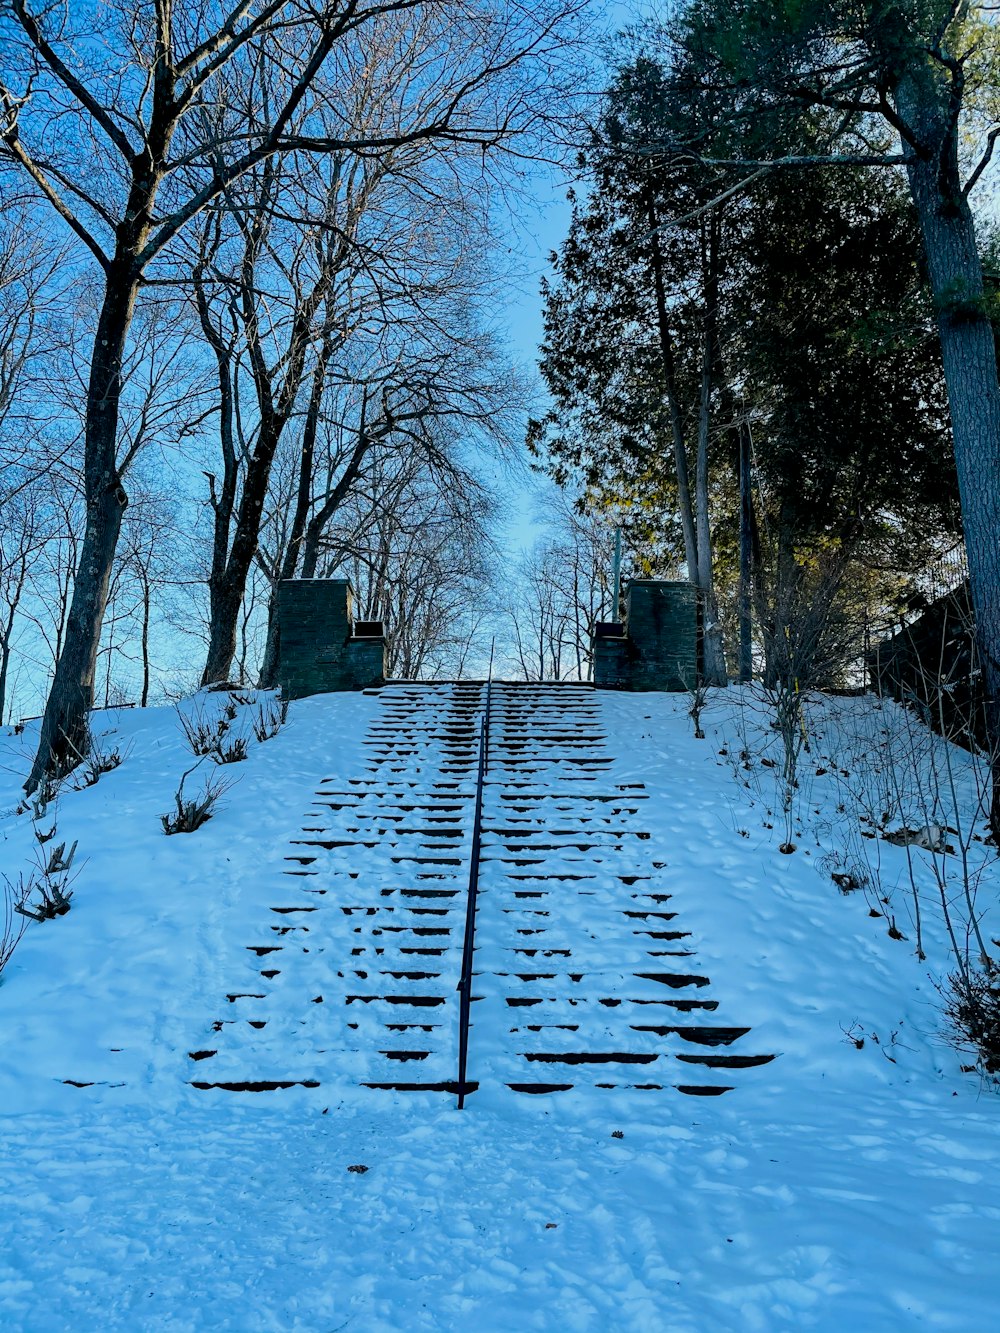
{"x": 583, "y": 975}
{"x": 587, "y": 976}
{"x": 357, "y": 969}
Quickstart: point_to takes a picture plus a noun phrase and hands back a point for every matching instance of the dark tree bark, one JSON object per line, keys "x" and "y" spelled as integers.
{"x": 290, "y": 558}
{"x": 226, "y": 591}
{"x": 228, "y": 580}
{"x": 222, "y": 494}
{"x": 713, "y": 652}
{"x": 970, "y": 368}
{"x": 146, "y": 609}
{"x": 667, "y": 360}
{"x": 746, "y": 557}
{"x": 928, "y": 104}
{"x": 64, "y": 724}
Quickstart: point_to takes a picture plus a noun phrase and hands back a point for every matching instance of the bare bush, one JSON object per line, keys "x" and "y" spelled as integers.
{"x": 905, "y": 785}
{"x": 926, "y": 796}
{"x": 786, "y": 702}
{"x": 53, "y": 899}
{"x": 58, "y": 862}
{"x": 271, "y": 717}
{"x": 40, "y": 813}
{"x": 809, "y": 633}
{"x": 191, "y": 812}
{"x": 698, "y": 694}
{"x": 203, "y": 733}
{"x": 230, "y": 749}
{"x": 98, "y": 762}
{"x": 12, "y": 923}
{"x": 51, "y": 883}
{"x": 972, "y": 1005}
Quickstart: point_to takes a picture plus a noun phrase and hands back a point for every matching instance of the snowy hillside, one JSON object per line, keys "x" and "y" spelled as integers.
{"x": 634, "y": 903}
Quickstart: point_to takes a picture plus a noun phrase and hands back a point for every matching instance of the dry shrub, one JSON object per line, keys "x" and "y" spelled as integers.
{"x": 972, "y": 1005}
{"x": 190, "y": 812}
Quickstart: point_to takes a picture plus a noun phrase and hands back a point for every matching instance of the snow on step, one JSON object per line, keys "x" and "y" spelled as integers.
{"x": 586, "y": 973}
{"x": 352, "y": 982}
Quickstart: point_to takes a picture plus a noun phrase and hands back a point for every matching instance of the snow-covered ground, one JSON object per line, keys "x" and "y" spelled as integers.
{"x": 849, "y": 1184}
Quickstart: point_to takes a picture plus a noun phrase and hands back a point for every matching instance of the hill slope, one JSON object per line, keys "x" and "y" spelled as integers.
{"x": 845, "y": 1183}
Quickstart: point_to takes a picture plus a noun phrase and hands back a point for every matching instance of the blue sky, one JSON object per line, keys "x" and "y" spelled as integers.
{"x": 537, "y": 231}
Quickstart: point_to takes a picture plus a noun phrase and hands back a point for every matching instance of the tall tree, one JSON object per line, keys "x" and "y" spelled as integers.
{"x": 634, "y": 352}
{"x": 279, "y": 296}
{"x": 824, "y": 348}
{"x": 917, "y": 74}
{"x": 848, "y": 413}
{"x": 110, "y": 114}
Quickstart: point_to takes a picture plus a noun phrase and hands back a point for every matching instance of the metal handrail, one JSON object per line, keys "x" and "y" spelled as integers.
{"x": 469, "y": 943}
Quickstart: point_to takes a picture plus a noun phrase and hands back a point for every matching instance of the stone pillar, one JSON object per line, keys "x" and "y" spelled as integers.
{"x": 612, "y": 666}
{"x": 321, "y": 648}
{"x": 658, "y": 649}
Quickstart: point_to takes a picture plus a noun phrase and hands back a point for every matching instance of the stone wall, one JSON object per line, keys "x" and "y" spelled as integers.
{"x": 659, "y": 648}
{"x": 319, "y": 650}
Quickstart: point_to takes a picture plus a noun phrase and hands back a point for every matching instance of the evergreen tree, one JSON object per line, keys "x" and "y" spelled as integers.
{"x": 822, "y": 343}
{"x": 902, "y": 85}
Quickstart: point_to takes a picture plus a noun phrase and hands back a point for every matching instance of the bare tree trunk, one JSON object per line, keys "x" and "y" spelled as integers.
{"x": 713, "y": 656}
{"x": 713, "y": 652}
{"x": 746, "y": 557}
{"x": 290, "y": 559}
{"x": 144, "y": 700}
{"x": 64, "y": 723}
{"x": 970, "y": 367}
{"x": 229, "y": 578}
{"x": 227, "y": 590}
{"x": 12, "y": 598}
{"x": 5, "y": 651}
{"x": 222, "y": 497}
{"x": 673, "y": 403}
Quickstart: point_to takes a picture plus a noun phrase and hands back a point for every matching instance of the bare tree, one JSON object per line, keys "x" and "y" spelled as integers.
{"x": 416, "y": 543}
{"x": 32, "y": 283}
{"x": 110, "y": 114}
{"x": 273, "y": 346}
{"x": 417, "y": 379}
{"x": 26, "y": 269}
{"x": 346, "y": 311}
{"x": 145, "y": 567}
{"x": 22, "y": 535}
{"x": 564, "y": 589}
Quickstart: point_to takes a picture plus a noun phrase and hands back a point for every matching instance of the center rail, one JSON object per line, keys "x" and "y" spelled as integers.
{"x": 469, "y": 943}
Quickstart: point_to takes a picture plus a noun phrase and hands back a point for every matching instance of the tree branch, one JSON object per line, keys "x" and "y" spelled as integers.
{"x": 792, "y": 160}
{"x": 17, "y": 151}
{"x": 69, "y": 80}
{"x": 983, "y": 162}
{"x": 226, "y": 31}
